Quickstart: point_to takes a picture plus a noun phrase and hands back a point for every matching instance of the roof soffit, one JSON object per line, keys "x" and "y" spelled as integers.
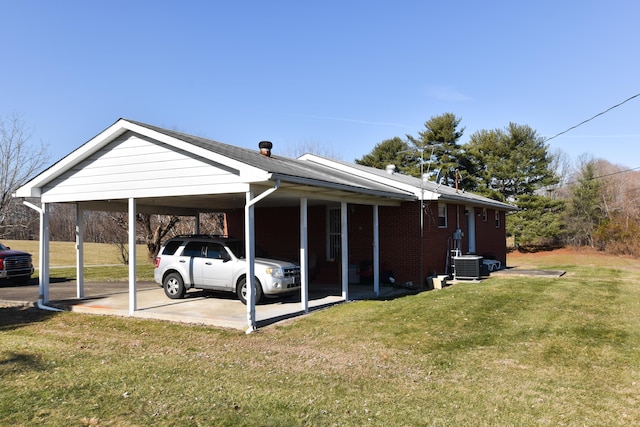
{"x": 432, "y": 191}
{"x": 418, "y": 191}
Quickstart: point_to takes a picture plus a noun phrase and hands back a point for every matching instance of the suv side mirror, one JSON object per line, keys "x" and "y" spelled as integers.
{"x": 225, "y": 256}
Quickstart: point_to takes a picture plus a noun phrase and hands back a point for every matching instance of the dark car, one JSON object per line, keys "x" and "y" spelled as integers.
{"x": 15, "y": 266}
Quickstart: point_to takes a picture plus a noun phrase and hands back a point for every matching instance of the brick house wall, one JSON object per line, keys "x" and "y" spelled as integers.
{"x": 400, "y": 236}
{"x": 277, "y": 232}
{"x": 491, "y": 235}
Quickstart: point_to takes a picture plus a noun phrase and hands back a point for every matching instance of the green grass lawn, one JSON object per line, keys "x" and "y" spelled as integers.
{"x": 63, "y": 254}
{"x": 510, "y": 351}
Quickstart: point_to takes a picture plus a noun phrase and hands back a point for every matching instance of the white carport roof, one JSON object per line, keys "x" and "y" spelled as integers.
{"x": 135, "y": 167}
{"x": 112, "y": 162}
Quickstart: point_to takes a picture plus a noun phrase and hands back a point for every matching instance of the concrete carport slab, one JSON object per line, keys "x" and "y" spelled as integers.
{"x": 205, "y": 308}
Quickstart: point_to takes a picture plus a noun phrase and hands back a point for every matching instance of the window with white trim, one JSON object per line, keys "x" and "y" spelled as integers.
{"x": 497, "y": 219}
{"x": 485, "y": 217}
{"x": 442, "y": 215}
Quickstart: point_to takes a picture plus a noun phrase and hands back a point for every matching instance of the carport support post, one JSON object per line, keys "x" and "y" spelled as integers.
{"x": 250, "y": 249}
{"x": 376, "y": 252}
{"x": 345, "y": 250}
{"x": 79, "y": 251}
{"x": 132, "y": 256}
{"x": 304, "y": 256}
{"x": 249, "y": 236}
{"x": 44, "y": 255}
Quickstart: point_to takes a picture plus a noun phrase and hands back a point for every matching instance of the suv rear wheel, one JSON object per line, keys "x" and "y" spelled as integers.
{"x": 174, "y": 286}
{"x": 242, "y": 289}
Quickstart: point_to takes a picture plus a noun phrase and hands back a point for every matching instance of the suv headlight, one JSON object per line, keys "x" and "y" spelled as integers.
{"x": 276, "y": 272}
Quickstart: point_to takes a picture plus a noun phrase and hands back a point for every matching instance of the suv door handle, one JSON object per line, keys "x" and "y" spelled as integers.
{"x": 208, "y": 263}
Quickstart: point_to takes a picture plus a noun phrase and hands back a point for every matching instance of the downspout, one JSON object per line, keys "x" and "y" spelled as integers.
{"x": 41, "y": 305}
{"x": 250, "y": 253}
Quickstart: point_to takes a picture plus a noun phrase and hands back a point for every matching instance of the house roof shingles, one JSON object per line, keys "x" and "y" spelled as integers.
{"x": 287, "y": 169}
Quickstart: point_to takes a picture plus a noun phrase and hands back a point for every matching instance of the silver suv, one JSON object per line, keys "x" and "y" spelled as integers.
{"x": 218, "y": 263}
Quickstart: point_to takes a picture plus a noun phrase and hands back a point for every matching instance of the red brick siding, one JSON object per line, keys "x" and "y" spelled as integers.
{"x": 491, "y": 241}
{"x": 277, "y": 230}
{"x": 278, "y": 233}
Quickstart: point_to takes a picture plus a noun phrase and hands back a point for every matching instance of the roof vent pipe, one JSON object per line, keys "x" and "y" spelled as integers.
{"x": 265, "y": 148}
{"x": 391, "y": 169}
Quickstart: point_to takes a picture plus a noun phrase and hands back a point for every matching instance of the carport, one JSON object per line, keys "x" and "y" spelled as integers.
{"x": 138, "y": 168}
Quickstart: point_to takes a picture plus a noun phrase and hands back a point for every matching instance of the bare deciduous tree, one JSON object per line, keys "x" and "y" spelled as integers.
{"x": 20, "y": 160}
{"x": 303, "y": 147}
{"x": 561, "y": 166}
{"x": 155, "y": 231}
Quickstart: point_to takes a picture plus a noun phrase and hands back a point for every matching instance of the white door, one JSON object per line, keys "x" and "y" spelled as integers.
{"x": 471, "y": 230}
{"x": 215, "y": 268}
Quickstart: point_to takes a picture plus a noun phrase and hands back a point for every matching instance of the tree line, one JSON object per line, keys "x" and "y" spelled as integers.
{"x": 591, "y": 203}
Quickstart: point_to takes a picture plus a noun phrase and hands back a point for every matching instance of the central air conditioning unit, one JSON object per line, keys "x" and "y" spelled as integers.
{"x": 467, "y": 267}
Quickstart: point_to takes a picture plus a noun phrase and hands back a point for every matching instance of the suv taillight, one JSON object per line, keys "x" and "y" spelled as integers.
{"x": 157, "y": 261}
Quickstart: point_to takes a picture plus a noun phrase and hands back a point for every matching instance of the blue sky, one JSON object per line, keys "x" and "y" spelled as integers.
{"x": 343, "y": 75}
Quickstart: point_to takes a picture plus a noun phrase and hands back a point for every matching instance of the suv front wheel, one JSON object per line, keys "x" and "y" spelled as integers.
{"x": 174, "y": 286}
{"x": 242, "y": 289}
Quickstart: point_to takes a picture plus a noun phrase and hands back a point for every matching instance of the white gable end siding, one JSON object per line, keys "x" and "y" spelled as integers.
{"x": 134, "y": 166}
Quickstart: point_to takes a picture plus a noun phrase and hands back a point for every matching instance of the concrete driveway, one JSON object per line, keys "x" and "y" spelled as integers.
{"x": 198, "y": 307}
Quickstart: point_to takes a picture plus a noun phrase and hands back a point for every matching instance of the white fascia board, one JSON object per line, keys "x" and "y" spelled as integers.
{"x": 218, "y": 189}
{"x": 419, "y": 192}
{"x": 33, "y": 188}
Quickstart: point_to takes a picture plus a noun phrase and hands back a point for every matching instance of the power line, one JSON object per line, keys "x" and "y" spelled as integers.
{"x": 600, "y": 176}
{"x": 615, "y": 173}
{"x": 591, "y": 118}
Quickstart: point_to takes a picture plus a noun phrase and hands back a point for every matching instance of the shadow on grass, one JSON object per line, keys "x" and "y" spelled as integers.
{"x": 327, "y": 291}
{"x": 11, "y": 362}
{"x": 13, "y": 316}
{"x": 34, "y": 282}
